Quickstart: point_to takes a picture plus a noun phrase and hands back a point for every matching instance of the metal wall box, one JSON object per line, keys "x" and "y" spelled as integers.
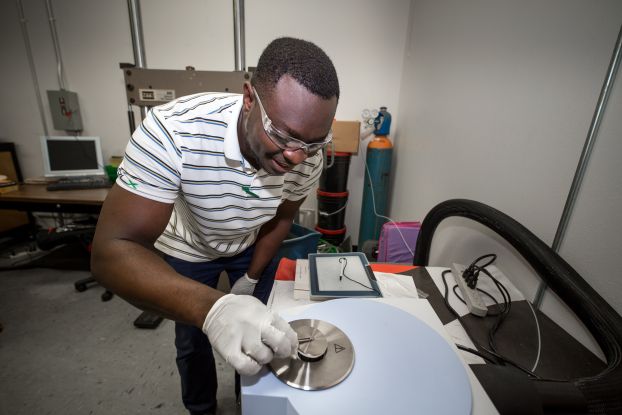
{"x": 65, "y": 110}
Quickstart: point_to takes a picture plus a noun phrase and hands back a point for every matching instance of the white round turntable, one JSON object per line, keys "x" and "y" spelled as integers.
{"x": 392, "y": 363}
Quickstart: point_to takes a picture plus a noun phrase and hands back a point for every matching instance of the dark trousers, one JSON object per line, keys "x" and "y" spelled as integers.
{"x": 195, "y": 360}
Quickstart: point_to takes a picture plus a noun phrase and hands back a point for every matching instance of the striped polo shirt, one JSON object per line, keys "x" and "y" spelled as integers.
{"x": 186, "y": 152}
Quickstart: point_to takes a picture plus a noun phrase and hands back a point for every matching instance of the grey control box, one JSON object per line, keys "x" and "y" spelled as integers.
{"x": 151, "y": 87}
{"x": 65, "y": 110}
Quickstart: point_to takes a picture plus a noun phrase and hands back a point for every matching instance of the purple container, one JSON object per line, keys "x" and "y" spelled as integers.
{"x": 391, "y": 247}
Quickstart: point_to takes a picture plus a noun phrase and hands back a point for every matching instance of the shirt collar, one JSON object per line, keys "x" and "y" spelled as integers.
{"x": 231, "y": 143}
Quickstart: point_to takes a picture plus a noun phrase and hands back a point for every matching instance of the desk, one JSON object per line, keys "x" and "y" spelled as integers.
{"x": 36, "y": 198}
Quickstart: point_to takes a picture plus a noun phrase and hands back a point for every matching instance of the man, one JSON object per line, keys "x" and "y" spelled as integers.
{"x": 213, "y": 181}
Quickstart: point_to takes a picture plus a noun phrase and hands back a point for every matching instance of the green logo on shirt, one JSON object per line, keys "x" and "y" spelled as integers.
{"x": 247, "y": 189}
{"x": 132, "y": 184}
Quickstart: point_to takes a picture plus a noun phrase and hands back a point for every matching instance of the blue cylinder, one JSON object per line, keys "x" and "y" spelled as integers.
{"x": 382, "y": 123}
{"x": 376, "y": 190}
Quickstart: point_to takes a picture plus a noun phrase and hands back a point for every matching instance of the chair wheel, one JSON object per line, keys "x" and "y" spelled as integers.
{"x": 80, "y": 287}
{"x": 107, "y": 296}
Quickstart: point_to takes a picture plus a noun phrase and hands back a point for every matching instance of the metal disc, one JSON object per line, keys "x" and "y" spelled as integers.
{"x": 325, "y": 357}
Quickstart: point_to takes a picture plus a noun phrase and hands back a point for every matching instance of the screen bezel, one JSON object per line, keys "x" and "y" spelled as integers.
{"x": 47, "y": 170}
{"x": 318, "y": 294}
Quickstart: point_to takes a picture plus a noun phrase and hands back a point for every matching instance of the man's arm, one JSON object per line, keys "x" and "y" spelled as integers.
{"x": 271, "y": 235}
{"x": 240, "y": 328}
{"x": 123, "y": 260}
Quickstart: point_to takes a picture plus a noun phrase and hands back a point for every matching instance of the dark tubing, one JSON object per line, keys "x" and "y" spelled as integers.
{"x": 603, "y": 392}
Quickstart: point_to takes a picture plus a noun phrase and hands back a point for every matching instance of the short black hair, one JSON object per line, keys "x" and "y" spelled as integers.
{"x": 302, "y": 60}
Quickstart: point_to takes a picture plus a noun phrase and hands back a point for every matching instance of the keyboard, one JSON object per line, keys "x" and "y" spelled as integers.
{"x": 79, "y": 183}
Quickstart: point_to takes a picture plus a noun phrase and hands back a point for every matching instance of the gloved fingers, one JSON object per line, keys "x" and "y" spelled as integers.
{"x": 244, "y": 364}
{"x": 291, "y": 335}
{"x": 277, "y": 339}
{"x": 257, "y": 351}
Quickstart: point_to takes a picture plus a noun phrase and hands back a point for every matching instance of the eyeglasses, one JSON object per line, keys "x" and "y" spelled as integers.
{"x": 285, "y": 141}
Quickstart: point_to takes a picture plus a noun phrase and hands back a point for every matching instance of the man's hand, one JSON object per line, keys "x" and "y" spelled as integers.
{"x": 246, "y": 334}
{"x": 245, "y": 285}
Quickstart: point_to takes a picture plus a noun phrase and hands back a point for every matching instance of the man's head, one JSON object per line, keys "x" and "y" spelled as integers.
{"x": 288, "y": 106}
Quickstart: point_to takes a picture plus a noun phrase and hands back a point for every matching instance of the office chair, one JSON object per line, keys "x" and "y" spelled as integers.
{"x": 599, "y": 394}
{"x": 85, "y": 283}
{"x": 79, "y": 234}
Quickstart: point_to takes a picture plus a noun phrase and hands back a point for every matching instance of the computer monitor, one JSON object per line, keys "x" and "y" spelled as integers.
{"x": 72, "y": 156}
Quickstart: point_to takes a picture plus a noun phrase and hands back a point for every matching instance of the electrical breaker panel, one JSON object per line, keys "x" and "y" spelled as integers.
{"x": 65, "y": 110}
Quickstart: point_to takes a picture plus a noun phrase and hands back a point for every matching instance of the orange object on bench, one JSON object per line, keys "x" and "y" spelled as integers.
{"x": 286, "y": 270}
{"x": 391, "y": 268}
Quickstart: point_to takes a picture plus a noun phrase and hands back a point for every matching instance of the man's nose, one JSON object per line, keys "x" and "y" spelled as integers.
{"x": 295, "y": 157}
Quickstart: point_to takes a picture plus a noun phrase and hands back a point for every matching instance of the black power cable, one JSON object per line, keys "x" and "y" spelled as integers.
{"x": 343, "y": 274}
{"x": 471, "y": 275}
{"x": 489, "y": 355}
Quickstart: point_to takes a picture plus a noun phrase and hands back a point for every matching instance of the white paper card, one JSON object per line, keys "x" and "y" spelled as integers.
{"x": 302, "y": 280}
{"x": 396, "y": 285}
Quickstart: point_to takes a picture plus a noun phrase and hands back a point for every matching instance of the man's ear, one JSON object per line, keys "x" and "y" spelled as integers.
{"x": 249, "y": 97}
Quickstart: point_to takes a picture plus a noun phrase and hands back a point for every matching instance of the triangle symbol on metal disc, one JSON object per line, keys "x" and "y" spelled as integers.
{"x": 339, "y": 348}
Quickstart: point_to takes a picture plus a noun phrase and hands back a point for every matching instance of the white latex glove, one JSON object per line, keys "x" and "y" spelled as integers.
{"x": 246, "y": 334}
{"x": 245, "y": 285}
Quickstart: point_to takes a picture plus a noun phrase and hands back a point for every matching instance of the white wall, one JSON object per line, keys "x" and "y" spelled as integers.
{"x": 497, "y": 98}
{"x": 94, "y": 39}
{"x": 365, "y": 40}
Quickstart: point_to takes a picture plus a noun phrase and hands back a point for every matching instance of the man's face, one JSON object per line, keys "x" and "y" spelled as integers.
{"x": 293, "y": 110}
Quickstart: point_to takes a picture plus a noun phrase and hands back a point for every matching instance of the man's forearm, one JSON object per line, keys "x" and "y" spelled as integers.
{"x": 141, "y": 277}
{"x": 270, "y": 237}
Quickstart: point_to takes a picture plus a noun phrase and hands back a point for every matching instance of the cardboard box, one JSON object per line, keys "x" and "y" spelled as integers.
{"x": 346, "y": 136}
